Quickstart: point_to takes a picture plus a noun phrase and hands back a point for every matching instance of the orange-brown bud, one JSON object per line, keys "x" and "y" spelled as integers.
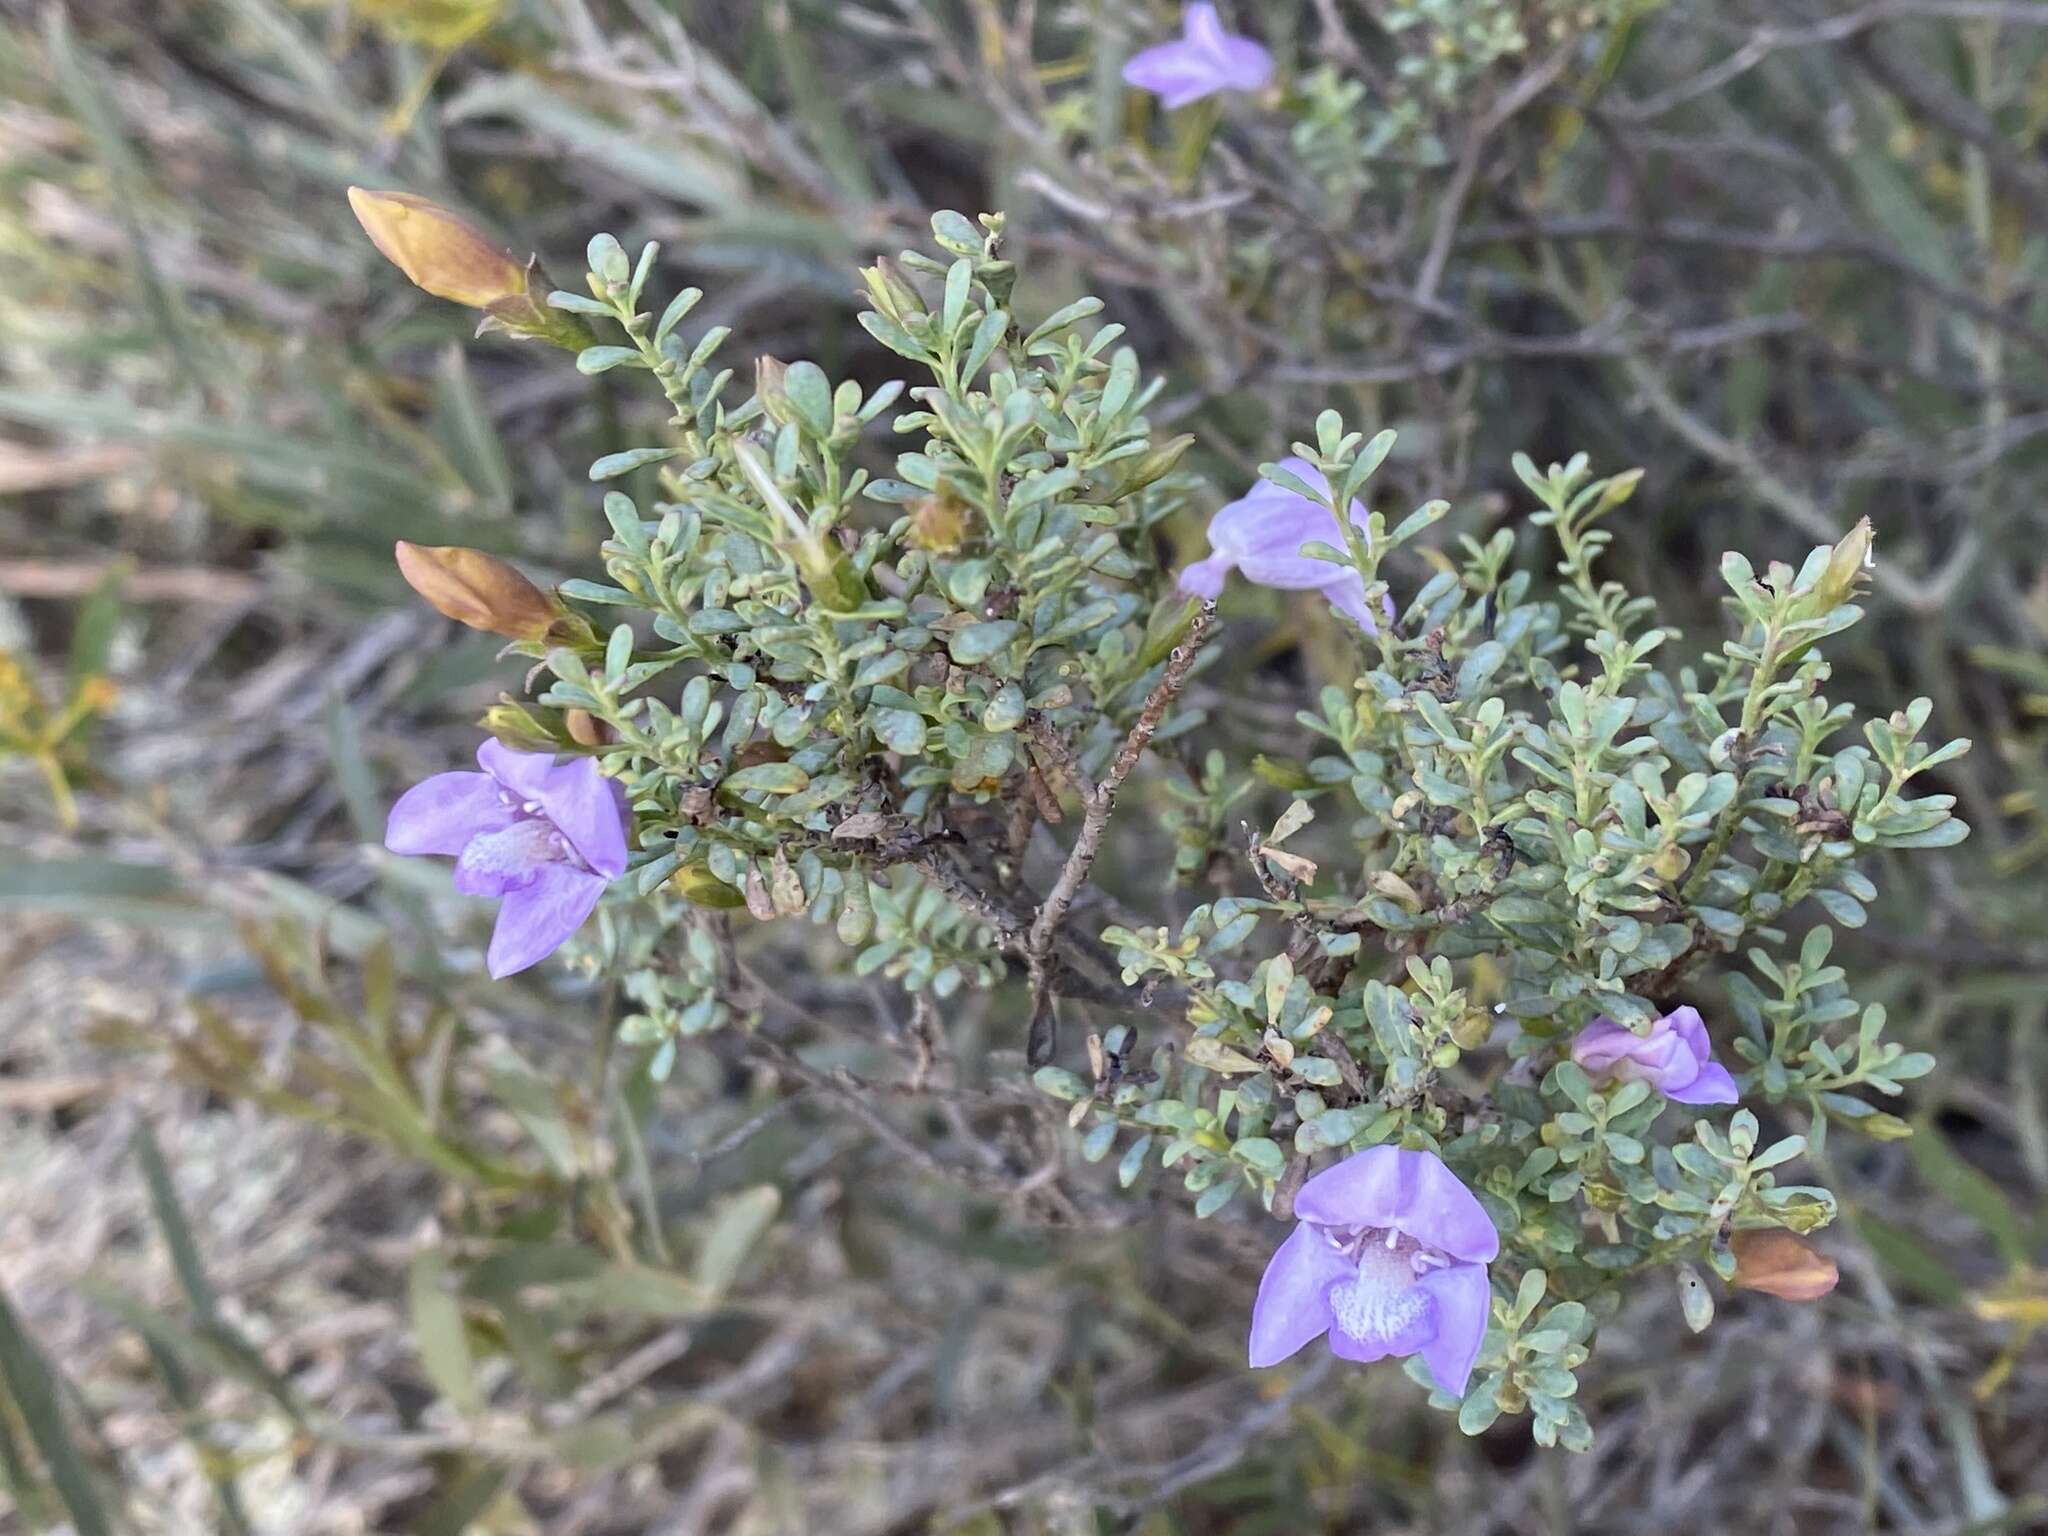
{"x": 937, "y": 523}
{"x": 586, "y": 730}
{"x": 441, "y": 253}
{"x": 477, "y": 589}
{"x": 1778, "y": 1264}
{"x": 451, "y": 259}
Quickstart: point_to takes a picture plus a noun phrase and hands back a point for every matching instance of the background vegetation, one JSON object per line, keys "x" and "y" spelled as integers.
{"x": 304, "y": 1229}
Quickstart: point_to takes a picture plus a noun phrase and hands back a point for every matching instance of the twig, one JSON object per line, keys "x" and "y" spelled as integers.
{"x": 1098, "y": 803}
{"x": 1767, "y": 40}
{"x": 2022, "y": 177}
{"x": 1518, "y": 96}
{"x": 935, "y": 867}
{"x": 854, "y": 1094}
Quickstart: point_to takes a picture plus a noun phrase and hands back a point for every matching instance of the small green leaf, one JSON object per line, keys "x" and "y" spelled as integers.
{"x": 900, "y": 730}
{"x": 766, "y": 779}
{"x": 978, "y": 642}
{"x": 736, "y": 1226}
{"x": 595, "y": 360}
{"x": 438, "y": 1333}
{"x": 613, "y": 465}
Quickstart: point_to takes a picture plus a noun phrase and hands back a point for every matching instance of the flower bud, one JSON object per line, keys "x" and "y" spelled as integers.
{"x": 1618, "y": 490}
{"x": 769, "y": 373}
{"x": 828, "y": 574}
{"x": 892, "y": 295}
{"x": 477, "y": 589}
{"x": 519, "y": 728}
{"x": 937, "y": 523}
{"x": 1846, "y": 566}
{"x": 586, "y": 730}
{"x": 1157, "y": 465}
{"x": 451, "y": 259}
{"x": 1778, "y": 1264}
{"x": 436, "y": 250}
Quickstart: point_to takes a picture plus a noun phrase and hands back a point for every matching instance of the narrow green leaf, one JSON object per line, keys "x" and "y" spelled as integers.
{"x": 736, "y": 1226}
{"x": 439, "y": 1335}
{"x": 32, "y": 1384}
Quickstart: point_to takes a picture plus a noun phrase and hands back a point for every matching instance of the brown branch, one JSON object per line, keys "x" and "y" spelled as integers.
{"x": 1098, "y": 803}
{"x": 1820, "y": 246}
{"x": 2023, "y": 178}
{"x": 1768, "y": 40}
{"x": 1518, "y": 96}
{"x": 855, "y": 1095}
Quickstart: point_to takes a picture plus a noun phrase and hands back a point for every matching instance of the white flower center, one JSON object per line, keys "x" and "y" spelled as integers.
{"x": 517, "y": 849}
{"x": 1381, "y": 1301}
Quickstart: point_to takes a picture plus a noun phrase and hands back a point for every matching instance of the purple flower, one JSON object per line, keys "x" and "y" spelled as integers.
{"x": 1261, "y": 534}
{"x": 1206, "y": 60}
{"x": 548, "y": 837}
{"x": 1675, "y": 1057}
{"x": 1388, "y": 1257}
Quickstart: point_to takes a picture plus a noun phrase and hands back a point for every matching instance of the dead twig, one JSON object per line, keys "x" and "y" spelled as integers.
{"x": 1098, "y": 804}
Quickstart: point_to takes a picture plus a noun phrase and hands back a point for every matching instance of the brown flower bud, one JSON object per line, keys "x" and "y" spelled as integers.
{"x": 586, "y": 730}
{"x": 451, "y": 259}
{"x": 439, "y": 252}
{"x": 1778, "y": 1264}
{"x": 937, "y": 523}
{"x": 477, "y": 589}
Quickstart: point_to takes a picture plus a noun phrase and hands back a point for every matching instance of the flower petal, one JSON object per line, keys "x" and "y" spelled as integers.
{"x": 585, "y": 806}
{"x": 537, "y": 919}
{"x": 441, "y": 814}
{"x": 1176, "y": 73}
{"x": 1290, "y": 1310}
{"x": 1714, "y": 1085}
{"x": 1464, "y": 1301}
{"x": 1264, "y": 530}
{"x": 1364, "y": 1190}
{"x": 1603, "y": 1043}
{"x": 1201, "y": 25}
{"x": 1347, "y": 595}
{"x": 1686, "y": 1025}
{"x": 1238, "y": 63}
{"x": 1406, "y": 1189}
{"x": 1205, "y": 577}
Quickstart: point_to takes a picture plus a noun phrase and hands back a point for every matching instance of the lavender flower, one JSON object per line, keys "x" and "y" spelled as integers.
{"x": 1675, "y": 1057}
{"x": 1388, "y": 1257}
{"x": 1206, "y": 60}
{"x": 1261, "y": 535}
{"x": 548, "y": 837}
